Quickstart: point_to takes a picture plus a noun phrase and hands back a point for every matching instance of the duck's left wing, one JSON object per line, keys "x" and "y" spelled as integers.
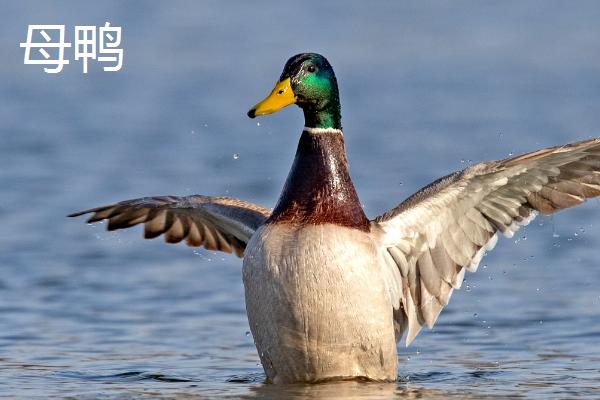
{"x": 215, "y": 223}
{"x": 430, "y": 239}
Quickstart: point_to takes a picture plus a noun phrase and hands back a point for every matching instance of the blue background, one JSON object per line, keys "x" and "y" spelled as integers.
{"x": 426, "y": 88}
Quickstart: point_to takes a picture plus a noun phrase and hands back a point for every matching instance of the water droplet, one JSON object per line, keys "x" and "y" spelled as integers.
{"x": 537, "y": 289}
{"x": 555, "y": 235}
{"x": 258, "y": 124}
{"x": 236, "y": 156}
{"x": 484, "y": 266}
{"x": 468, "y": 288}
{"x": 247, "y": 333}
{"x": 541, "y": 322}
{"x": 475, "y": 315}
{"x": 408, "y": 358}
{"x": 510, "y": 154}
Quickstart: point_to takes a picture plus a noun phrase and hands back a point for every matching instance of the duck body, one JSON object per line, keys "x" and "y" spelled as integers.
{"x": 317, "y": 305}
{"x": 315, "y": 293}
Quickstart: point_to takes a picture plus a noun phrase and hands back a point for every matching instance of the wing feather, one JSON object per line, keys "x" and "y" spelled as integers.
{"x": 217, "y": 223}
{"x": 446, "y": 228}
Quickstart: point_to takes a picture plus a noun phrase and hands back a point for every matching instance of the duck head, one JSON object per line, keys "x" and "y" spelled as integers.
{"x": 309, "y": 82}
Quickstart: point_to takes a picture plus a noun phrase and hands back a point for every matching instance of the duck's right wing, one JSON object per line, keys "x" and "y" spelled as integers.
{"x": 216, "y": 223}
{"x": 430, "y": 239}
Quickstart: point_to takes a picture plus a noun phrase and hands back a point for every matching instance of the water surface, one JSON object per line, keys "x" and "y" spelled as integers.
{"x": 426, "y": 89}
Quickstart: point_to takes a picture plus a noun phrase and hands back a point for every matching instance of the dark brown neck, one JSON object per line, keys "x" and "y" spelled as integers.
{"x": 319, "y": 189}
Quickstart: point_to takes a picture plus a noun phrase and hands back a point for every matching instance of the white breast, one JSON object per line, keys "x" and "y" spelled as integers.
{"x": 317, "y": 304}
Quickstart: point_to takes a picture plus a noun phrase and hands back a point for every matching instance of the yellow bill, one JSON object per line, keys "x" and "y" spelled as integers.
{"x": 281, "y": 96}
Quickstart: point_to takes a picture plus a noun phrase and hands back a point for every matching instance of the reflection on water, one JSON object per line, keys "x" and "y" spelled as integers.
{"x": 346, "y": 390}
{"x": 425, "y": 89}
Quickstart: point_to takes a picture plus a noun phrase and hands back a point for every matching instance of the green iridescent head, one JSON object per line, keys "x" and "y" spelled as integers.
{"x": 308, "y": 81}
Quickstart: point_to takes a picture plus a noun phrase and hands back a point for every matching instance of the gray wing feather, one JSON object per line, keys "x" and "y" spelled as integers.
{"x": 216, "y": 223}
{"x": 449, "y": 225}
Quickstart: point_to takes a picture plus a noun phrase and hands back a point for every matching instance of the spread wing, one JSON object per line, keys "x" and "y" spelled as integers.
{"x": 430, "y": 239}
{"x": 216, "y": 223}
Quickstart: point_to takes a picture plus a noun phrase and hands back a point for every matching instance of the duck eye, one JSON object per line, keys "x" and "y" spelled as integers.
{"x": 311, "y": 68}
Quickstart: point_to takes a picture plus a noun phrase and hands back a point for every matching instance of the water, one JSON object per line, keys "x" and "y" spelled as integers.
{"x": 426, "y": 89}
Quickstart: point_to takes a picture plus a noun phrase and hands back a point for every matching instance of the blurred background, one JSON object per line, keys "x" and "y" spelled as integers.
{"x": 426, "y": 88}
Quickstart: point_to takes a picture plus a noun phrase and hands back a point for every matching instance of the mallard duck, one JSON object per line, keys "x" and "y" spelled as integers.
{"x": 329, "y": 292}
